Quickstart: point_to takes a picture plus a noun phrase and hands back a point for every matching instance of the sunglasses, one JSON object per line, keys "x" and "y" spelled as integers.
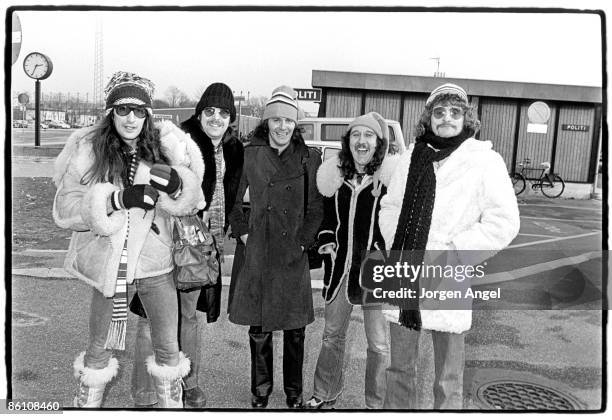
{"x": 123, "y": 110}
{"x": 441, "y": 112}
{"x": 210, "y": 111}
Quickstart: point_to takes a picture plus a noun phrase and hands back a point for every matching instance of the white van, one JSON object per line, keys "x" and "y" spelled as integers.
{"x": 318, "y": 132}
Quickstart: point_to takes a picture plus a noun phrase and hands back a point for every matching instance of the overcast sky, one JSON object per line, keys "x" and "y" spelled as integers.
{"x": 257, "y": 51}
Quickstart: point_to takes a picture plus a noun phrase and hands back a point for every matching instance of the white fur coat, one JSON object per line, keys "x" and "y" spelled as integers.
{"x": 475, "y": 209}
{"x": 98, "y": 237}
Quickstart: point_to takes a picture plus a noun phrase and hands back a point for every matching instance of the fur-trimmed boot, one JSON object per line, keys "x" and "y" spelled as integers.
{"x": 92, "y": 382}
{"x": 169, "y": 381}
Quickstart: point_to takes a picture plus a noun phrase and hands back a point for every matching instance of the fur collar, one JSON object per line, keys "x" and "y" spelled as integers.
{"x": 177, "y": 146}
{"x": 329, "y": 177}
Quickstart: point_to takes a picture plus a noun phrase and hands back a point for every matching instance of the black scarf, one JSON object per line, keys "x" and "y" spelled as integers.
{"x": 415, "y": 217}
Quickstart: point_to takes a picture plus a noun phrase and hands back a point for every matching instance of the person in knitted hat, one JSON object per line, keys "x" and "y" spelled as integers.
{"x": 272, "y": 288}
{"x": 352, "y": 184}
{"x": 118, "y": 185}
{"x": 450, "y": 192}
{"x": 223, "y": 156}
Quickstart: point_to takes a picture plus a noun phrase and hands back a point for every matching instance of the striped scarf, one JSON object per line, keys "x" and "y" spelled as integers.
{"x": 217, "y": 206}
{"x": 118, "y": 325}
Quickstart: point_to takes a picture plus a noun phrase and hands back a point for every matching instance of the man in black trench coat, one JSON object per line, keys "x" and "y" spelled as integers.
{"x": 272, "y": 289}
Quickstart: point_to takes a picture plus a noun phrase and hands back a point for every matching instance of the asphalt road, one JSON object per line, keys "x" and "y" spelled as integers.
{"x": 560, "y": 347}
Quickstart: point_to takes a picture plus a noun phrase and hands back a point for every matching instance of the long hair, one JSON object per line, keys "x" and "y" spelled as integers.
{"x": 262, "y": 131}
{"x": 470, "y": 119}
{"x": 110, "y": 151}
{"x": 347, "y": 164}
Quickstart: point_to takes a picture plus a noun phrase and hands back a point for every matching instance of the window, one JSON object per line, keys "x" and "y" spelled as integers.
{"x": 333, "y": 132}
{"x": 307, "y": 131}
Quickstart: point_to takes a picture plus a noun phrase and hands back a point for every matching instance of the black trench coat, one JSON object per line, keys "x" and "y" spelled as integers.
{"x": 272, "y": 289}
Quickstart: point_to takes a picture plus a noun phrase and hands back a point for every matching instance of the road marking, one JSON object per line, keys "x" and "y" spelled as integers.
{"x": 545, "y": 241}
{"x": 560, "y": 207}
{"x": 535, "y": 269}
{"x": 539, "y": 236}
{"x": 560, "y": 220}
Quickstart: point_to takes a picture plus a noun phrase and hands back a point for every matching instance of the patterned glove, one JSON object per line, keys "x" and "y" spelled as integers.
{"x": 166, "y": 179}
{"x": 140, "y": 195}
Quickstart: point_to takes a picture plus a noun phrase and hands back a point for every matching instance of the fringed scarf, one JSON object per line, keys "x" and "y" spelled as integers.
{"x": 417, "y": 207}
{"x": 118, "y": 326}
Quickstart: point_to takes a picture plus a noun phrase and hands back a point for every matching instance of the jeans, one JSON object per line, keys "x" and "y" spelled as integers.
{"x": 143, "y": 388}
{"x": 158, "y": 295}
{"x": 262, "y": 356}
{"x": 329, "y": 373}
{"x": 449, "y": 358}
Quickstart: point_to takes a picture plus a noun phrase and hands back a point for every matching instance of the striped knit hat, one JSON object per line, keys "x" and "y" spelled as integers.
{"x": 128, "y": 88}
{"x": 447, "y": 88}
{"x": 283, "y": 103}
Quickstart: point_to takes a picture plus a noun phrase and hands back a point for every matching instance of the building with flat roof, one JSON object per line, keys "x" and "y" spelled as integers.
{"x": 569, "y": 138}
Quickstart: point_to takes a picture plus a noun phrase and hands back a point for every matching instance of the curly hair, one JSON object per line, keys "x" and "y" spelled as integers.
{"x": 347, "y": 163}
{"x": 470, "y": 119}
{"x": 110, "y": 151}
{"x": 262, "y": 131}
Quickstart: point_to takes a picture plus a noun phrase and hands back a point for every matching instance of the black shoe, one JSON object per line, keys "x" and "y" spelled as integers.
{"x": 259, "y": 402}
{"x": 194, "y": 398}
{"x": 294, "y": 402}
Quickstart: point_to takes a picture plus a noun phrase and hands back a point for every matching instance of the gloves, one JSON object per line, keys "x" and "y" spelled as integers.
{"x": 141, "y": 195}
{"x": 166, "y": 179}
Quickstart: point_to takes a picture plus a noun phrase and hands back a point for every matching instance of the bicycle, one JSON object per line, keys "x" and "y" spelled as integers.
{"x": 551, "y": 184}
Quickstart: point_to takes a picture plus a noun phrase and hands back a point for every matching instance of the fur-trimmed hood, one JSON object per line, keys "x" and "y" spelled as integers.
{"x": 176, "y": 146}
{"x": 329, "y": 177}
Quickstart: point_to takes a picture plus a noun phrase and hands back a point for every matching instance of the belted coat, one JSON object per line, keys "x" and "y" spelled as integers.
{"x": 272, "y": 289}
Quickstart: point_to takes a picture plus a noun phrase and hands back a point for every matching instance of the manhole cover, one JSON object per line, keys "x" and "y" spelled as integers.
{"x": 519, "y": 395}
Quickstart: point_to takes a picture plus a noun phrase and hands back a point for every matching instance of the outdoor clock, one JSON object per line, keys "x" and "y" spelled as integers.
{"x": 37, "y": 66}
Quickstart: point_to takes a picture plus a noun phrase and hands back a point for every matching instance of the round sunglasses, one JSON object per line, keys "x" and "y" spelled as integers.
{"x": 123, "y": 110}
{"x": 440, "y": 112}
{"x": 210, "y": 111}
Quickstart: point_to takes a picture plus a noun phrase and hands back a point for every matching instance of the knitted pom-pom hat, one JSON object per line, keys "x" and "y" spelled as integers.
{"x": 375, "y": 122}
{"x": 447, "y": 88}
{"x": 217, "y": 95}
{"x": 282, "y": 104}
{"x": 129, "y": 88}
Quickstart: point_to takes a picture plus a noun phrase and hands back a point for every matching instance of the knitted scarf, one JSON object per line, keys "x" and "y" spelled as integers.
{"x": 415, "y": 216}
{"x": 115, "y": 338}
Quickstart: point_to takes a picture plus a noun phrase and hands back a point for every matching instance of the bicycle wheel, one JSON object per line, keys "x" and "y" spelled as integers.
{"x": 518, "y": 183}
{"x": 552, "y": 186}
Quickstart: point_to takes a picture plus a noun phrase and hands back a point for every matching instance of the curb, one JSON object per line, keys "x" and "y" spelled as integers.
{"x": 60, "y": 273}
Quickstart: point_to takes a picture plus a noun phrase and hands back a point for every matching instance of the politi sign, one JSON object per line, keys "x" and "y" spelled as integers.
{"x": 313, "y": 95}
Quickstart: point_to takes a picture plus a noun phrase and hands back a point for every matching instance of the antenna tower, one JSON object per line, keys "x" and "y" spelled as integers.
{"x": 98, "y": 94}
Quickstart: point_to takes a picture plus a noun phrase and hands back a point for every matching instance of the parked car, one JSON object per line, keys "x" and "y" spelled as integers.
{"x": 44, "y": 125}
{"x": 325, "y": 130}
{"x": 20, "y": 124}
{"x": 76, "y": 125}
{"x": 56, "y": 124}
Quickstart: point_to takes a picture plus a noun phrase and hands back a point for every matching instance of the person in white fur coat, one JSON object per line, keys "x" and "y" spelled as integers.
{"x": 118, "y": 184}
{"x": 450, "y": 191}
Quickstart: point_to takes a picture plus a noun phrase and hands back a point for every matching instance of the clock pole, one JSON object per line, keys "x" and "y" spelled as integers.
{"x": 37, "y": 114}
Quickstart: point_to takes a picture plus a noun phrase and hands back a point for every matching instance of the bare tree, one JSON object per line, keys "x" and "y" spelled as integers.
{"x": 176, "y": 97}
{"x": 257, "y": 103}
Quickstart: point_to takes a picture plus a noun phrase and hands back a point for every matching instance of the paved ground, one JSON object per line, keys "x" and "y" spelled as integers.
{"x": 561, "y": 348}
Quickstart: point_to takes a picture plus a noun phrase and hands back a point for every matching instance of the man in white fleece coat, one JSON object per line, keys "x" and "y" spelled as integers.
{"x": 473, "y": 207}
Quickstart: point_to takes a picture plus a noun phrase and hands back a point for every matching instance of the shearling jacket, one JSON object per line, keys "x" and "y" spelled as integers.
{"x": 474, "y": 209}
{"x": 350, "y": 225}
{"x": 98, "y": 238}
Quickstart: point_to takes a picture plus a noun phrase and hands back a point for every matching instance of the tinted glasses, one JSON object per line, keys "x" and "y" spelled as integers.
{"x": 123, "y": 110}
{"x": 440, "y": 112}
{"x": 209, "y": 111}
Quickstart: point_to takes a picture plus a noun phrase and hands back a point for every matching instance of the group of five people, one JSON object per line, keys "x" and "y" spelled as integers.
{"x": 121, "y": 183}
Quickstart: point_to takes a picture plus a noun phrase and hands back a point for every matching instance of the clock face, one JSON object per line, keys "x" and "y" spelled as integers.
{"x": 37, "y": 66}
